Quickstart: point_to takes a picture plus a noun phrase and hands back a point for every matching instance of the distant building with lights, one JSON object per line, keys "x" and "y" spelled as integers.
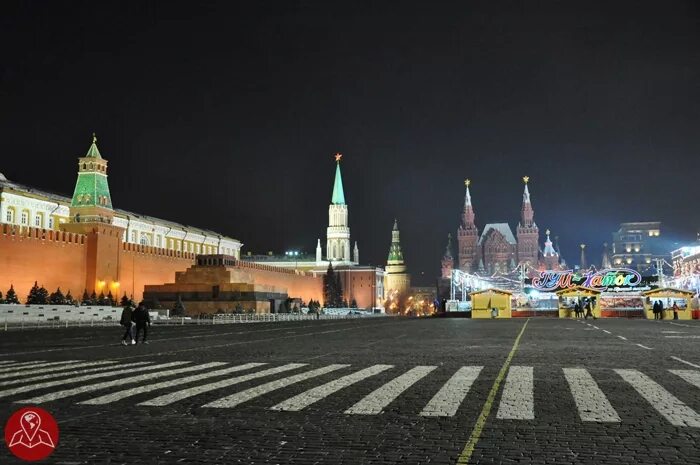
{"x": 496, "y": 249}
{"x": 637, "y": 245}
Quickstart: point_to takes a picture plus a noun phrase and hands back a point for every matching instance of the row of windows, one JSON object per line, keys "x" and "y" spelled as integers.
{"x": 24, "y": 219}
{"x": 135, "y": 237}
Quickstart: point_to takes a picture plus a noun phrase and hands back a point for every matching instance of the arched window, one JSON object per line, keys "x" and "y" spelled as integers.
{"x": 10, "y": 216}
{"x": 133, "y": 237}
{"x": 158, "y": 241}
{"x": 144, "y": 240}
{"x": 25, "y": 218}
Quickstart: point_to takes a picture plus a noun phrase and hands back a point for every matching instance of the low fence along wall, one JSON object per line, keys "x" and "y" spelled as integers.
{"x": 40, "y": 313}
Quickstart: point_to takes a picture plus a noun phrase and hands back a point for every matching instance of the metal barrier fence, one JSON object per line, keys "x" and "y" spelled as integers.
{"x": 269, "y": 317}
{"x": 40, "y": 323}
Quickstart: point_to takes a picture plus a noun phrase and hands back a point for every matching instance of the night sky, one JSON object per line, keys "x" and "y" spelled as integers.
{"x": 226, "y": 116}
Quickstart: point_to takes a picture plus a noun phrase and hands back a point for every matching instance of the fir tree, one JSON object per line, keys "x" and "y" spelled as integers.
{"x": 57, "y": 298}
{"x": 93, "y": 298}
{"x": 69, "y": 299}
{"x": 124, "y": 301}
{"x": 329, "y": 285}
{"x": 11, "y": 296}
{"x": 33, "y": 297}
{"x": 86, "y": 298}
{"x": 102, "y": 300}
{"x": 2, "y": 301}
{"x": 43, "y": 296}
{"x": 179, "y": 308}
{"x": 353, "y": 303}
{"x": 338, "y": 297}
{"x": 110, "y": 299}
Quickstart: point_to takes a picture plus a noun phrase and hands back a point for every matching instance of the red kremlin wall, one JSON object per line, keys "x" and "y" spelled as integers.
{"x": 61, "y": 259}
{"x": 74, "y": 261}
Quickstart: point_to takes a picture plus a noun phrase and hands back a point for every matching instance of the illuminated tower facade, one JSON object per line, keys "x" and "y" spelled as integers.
{"x": 448, "y": 262}
{"x": 469, "y": 252}
{"x": 550, "y": 257}
{"x": 396, "y": 279}
{"x": 527, "y": 233}
{"x": 338, "y": 231}
{"x": 91, "y": 214}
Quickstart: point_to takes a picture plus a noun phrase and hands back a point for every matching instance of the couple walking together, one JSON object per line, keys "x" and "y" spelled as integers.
{"x": 138, "y": 318}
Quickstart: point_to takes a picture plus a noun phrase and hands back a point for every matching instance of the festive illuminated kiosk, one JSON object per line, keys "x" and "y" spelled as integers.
{"x": 614, "y": 292}
{"x": 569, "y": 297}
{"x": 668, "y": 296}
{"x": 491, "y": 303}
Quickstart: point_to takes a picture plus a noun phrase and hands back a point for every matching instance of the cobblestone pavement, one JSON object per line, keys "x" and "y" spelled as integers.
{"x": 389, "y": 390}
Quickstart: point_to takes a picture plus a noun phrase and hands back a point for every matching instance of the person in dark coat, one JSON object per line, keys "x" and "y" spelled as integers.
{"x": 661, "y": 310}
{"x": 589, "y": 310}
{"x": 577, "y": 309}
{"x": 656, "y": 309}
{"x": 126, "y": 322}
{"x": 143, "y": 321}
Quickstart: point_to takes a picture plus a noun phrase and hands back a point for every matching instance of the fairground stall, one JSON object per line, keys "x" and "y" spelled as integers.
{"x": 491, "y": 303}
{"x": 616, "y": 292}
{"x": 669, "y": 296}
{"x": 568, "y": 298}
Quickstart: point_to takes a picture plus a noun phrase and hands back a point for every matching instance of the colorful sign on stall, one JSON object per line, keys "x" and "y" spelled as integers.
{"x": 607, "y": 280}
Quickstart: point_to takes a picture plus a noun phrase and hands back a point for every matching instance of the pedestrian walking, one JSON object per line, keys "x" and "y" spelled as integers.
{"x": 142, "y": 320}
{"x": 675, "y": 310}
{"x": 127, "y": 323}
{"x": 661, "y": 310}
{"x": 577, "y": 309}
{"x": 589, "y": 310}
{"x": 656, "y": 309}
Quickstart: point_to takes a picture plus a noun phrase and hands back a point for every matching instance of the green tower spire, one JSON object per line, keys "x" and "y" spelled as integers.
{"x": 338, "y": 194}
{"x": 395, "y": 253}
{"x": 91, "y": 188}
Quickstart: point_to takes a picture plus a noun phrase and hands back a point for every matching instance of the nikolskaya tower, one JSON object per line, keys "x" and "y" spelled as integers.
{"x": 338, "y": 231}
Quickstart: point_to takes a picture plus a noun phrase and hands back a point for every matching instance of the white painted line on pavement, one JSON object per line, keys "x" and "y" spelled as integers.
{"x": 606, "y": 331}
{"x": 590, "y": 400}
{"x": 168, "y": 399}
{"x": 129, "y": 371}
{"x": 61, "y": 368}
{"x": 622, "y": 337}
{"x": 257, "y": 391}
{"x": 645, "y": 347}
{"x": 682, "y": 337}
{"x": 303, "y": 400}
{"x": 684, "y": 361}
{"x": 6, "y": 362}
{"x": 595, "y": 327}
{"x": 691, "y": 376}
{"x": 374, "y": 402}
{"x": 668, "y": 405}
{"x": 43, "y": 377}
{"x": 673, "y": 332}
{"x": 36, "y": 365}
{"x": 22, "y": 364}
{"x": 119, "y": 395}
{"x": 447, "y": 400}
{"x": 517, "y": 399}
{"x": 117, "y": 382}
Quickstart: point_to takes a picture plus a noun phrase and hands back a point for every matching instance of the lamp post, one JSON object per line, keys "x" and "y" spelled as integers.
{"x": 295, "y": 254}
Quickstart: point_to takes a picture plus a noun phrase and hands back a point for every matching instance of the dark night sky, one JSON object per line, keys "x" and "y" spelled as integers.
{"x": 226, "y": 116}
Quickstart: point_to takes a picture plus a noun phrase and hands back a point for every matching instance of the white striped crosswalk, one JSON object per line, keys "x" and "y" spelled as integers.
{"x": 517, "y": 401}
{"x": 162, "y": 384}
{"x": 590, "y": 400}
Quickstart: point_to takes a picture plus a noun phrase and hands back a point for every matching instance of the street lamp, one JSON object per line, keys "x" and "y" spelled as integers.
{"x": 295, "y": 254}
